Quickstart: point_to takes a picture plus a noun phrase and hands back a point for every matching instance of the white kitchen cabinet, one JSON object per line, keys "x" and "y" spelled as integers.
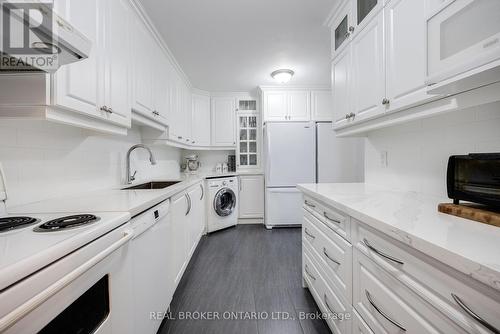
{"x": 321, "y": 105}
{"x": 406, "y": 54}
{"x": 248, "y": 148}
{"x": 223, "y": 121}
{"x": 363, "y": 12}
{"x": 368, "y": 70}
{"x": 201, "y": 120}
{"x": 341, "y": 28}
{"x": 161, "y": 98}
{"x": 251, "y": 196}
{"x": 195, "y": 216}
{"x": 144, "y": 58}
{"x": 179, "y": 208}
{"x": 341, "y": 87}
{"x": 289, "y": 105}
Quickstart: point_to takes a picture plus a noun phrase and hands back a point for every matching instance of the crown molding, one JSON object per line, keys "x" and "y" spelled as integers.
{"x": 141, "y": 12}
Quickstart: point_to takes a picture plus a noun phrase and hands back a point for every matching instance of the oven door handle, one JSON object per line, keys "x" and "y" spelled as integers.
{"x": 21, "y": 311}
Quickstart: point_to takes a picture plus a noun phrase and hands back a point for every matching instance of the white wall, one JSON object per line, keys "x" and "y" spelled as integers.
{"x": 418, "y": 151}
{"x": 43, "y": 160}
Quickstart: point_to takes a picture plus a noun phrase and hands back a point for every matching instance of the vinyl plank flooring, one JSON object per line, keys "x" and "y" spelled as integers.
{"x": 241, "y": 274}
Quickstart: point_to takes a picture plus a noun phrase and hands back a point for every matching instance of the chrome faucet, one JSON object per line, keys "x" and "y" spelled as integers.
{"x": 152, "y": 159}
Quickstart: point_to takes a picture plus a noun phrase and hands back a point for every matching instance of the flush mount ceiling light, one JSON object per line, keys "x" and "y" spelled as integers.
{"x": 283, "y": 75}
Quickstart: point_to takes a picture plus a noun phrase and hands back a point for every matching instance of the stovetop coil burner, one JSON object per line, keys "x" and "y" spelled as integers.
{"x": 13, "y": 223}
{"x": 67, "y": 222}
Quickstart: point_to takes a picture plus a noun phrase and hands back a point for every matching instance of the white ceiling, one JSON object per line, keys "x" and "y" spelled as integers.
{"x": 234, "y": 45}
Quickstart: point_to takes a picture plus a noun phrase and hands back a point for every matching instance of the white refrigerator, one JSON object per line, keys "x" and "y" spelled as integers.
{"x": 289, "y": 159}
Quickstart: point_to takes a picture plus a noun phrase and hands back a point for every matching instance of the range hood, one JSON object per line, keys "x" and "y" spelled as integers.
{"x": 38, "y": 40}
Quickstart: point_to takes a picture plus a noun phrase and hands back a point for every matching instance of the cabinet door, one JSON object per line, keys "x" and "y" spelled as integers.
{"x": 179, "y": 207}
{"x": 187, "y": 114}
{"x": 117, "y": 59}
{"x": 406, "y": 53}
{"x": 299, "y": 106}
{"x": 174, "y": 132}
{"x": 143, "y": 70}
{"x": 342, "y": 28}
{"x": 248, "y": 148}
{"x": 275, "y": 106}
{"x": 79, "y": 86}
{"x": 341, "y": 87}
{"x": 161, "y": 94}
{"x": 251, "y": 197}
{"x": 364, "y": 11}
{"x": 201, "y": 120}
{"x": 321, "y": 105}
{"x": 368, "y": 80}
{"x": 194, "y": 218}
{"x": 223, "y": 124}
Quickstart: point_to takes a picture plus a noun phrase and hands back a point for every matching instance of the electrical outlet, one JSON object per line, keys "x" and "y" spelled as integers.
{"x": 384, "y": 162}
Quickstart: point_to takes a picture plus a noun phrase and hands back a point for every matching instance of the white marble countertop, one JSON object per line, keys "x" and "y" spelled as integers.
{"x": 110, "y": 200}
{"x": 470, "y": 247}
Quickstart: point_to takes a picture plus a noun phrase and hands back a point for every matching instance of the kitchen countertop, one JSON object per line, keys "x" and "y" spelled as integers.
{"x": 470, "y": 247}
{"x": 110, "y": 200}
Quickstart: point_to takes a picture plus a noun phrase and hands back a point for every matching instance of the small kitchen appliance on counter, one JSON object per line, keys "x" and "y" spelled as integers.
{"x": 192, "y": 163}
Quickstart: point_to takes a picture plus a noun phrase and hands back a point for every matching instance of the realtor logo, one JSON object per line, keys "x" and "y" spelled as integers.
{"x": 26, "y": 42}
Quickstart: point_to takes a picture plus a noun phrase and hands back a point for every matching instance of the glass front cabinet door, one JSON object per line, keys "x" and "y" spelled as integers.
{"x": 248, "y": 154}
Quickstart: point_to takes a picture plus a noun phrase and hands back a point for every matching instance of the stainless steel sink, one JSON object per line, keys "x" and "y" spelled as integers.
{"x": 152, "y": 185}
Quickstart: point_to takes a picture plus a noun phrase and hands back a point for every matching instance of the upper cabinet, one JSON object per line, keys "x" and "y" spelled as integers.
{"x": 321, "y": 105}
{"x": 223, "y": 121}
{"x": 286, "y": 105}
{"x": 201, "y": 120}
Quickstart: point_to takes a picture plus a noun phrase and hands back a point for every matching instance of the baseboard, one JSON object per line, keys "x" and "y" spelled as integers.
{"x": 246, "y": 221}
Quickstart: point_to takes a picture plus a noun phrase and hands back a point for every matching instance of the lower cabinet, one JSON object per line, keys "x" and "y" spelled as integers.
{"x": 380, "y": 285}
{"x": 251, "y": 199}
{"x": 188, "y": 217}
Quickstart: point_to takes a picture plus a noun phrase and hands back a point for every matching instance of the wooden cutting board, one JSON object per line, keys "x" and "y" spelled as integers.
{"x": 471, "y": 211}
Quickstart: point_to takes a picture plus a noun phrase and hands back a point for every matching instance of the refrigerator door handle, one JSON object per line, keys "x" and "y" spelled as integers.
{"x": 267, "y": 141}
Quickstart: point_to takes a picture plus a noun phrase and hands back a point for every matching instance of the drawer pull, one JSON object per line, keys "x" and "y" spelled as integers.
{"x": 330, "y": 258}
{"x": 306, "y": 231}
{"x": 325, "y": 299}
{"x": 474, "y": 315}
{"x": 395, "y": 323}
{"x": 388, "y": 257}
{"x": 309, "y": 204}
{"x": 330, "y": 219}
{"x": 308, "y": 273}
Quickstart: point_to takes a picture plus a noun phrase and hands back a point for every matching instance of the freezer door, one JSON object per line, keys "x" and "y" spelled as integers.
{"x": 290, "y": 154}
{"x": 338, "y": 159}
{"x": 283, "y": 206}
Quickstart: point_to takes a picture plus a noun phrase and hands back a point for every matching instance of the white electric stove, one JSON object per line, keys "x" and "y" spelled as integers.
{"x": 64, "y": 272}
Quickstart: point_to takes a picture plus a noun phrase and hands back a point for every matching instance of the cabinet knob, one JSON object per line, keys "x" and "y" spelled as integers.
{"x": 156, "y": 113}
{"x": 347, "y": 116}
{"x": 106, "y": 109}
{"x": 179, "y": 137}
{"x": 385, "y": 101}
{"x": 351, "y": 29}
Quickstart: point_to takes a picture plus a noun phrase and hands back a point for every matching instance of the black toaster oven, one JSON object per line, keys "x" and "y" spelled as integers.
{"x": 474, "y": 178}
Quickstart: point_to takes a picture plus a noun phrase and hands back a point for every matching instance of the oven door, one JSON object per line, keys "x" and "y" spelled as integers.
{"x": 462, "y": 36}
{"x": 93, "y": 297}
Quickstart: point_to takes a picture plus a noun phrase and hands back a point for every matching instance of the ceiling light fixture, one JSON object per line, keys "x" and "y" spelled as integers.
{"x": 283, "y": 75}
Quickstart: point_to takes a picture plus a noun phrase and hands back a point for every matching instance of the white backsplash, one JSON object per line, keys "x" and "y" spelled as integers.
{"x": 209, "y": 159}
{"x": 45, "y": 160}
{"x": 418, "y": 151}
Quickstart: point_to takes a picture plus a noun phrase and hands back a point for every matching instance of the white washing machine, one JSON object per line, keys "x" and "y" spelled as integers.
{"x": 222, "y": 202}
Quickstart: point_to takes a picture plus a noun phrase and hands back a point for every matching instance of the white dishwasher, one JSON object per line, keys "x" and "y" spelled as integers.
{"x": 152, "y": 273}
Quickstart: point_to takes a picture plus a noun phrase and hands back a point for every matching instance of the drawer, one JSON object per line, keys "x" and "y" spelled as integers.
{"x": 388, "y": 306}
{"x": 448, "y": 291}
{"x": 332, "y": 218}
{"x": 334, "y": 311}
{"x": 359, "y": 326}
{"x": 332, "y": 253}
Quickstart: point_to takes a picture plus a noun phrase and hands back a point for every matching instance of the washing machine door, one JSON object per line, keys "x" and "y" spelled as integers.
{"x": 224, "y": 202}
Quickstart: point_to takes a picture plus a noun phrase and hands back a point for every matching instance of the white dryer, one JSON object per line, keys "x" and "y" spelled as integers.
{"x": 222, "y": 202}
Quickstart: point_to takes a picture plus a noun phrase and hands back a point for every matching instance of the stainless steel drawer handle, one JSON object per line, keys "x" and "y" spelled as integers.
{"x": 388, "y": 257}
{"x": 474, "y": 315}
{"x": 325, "y": 299}
{"x": 306, "y": 269}
{"x": 309, "y": 204}
{"x": 329, "y": 257}
{"x": 202, "y": 192}
{"x": 331, "y": 219}
{"x": 306, "y": 231}
{"x": 394, "y": 322}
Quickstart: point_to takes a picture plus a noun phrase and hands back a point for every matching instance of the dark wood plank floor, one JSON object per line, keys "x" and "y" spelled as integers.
{"x": 245, "y": 269}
